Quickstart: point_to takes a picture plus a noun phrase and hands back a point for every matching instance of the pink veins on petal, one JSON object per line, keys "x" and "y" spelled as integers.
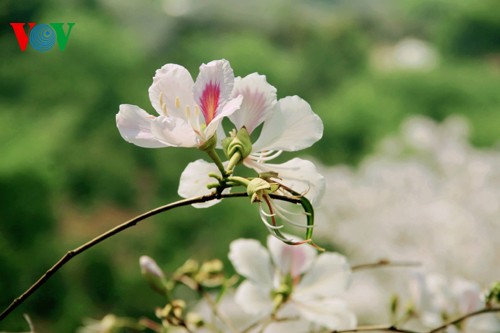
{"x": 209, "y": 101}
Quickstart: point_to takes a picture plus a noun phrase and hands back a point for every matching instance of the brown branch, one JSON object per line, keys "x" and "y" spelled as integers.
{"x": 130, "y": 223}
{"x": 393, "y": 328}
{"x": 385, "y": 262}
{"x": 464, "y": 317}
{"x": 375, "y": 328}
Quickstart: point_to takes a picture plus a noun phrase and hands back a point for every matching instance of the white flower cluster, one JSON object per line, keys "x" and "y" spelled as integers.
{"x": 426, "y": 195}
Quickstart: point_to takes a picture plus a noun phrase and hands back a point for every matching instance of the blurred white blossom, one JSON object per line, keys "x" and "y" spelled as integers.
{"x": 437, "y": 299}
{"x": 292, "y": 282}
{"x": 105, "y": 325}
{"x": 407, "y": 54}
{"x": 426, "y": 195}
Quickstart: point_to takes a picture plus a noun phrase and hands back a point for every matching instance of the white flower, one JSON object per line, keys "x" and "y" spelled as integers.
{"x": 294, "y": 280}
{"x": 425, "y": 195}
{"x": 438, "y": 299}
{"x": 105, "y": 325}
{"x": 288, "y": 125}
{"x": 189, "y": 112}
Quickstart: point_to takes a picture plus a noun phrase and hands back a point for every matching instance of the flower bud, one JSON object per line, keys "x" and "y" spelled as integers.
{"x": 153, "y": 274}
{"x": 257, "y": 188}
{"x": 172, "y": 313}
{"x": 238, "y": 142}
{"x": 493, "y": 294}
{"x": 211, "y": 273}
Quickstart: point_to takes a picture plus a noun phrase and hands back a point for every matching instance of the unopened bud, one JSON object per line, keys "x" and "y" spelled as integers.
{"x": 194, "y": 319}
{"x": 258, "y": 187}
{"x": 211, "y": 273}
{"x": 493, "y": 294}
{"x": 238, "y": 142}
{"x": 153, "y": 274}
{"x": 189, "y": 268}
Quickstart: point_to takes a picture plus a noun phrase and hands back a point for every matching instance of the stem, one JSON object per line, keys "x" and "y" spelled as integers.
{"x": 385, "y": 262}
{"x": 375, "y": 328}
{"x": 392, "y": 328}
{"x": 235, "y": 159}
{"x": 130, "y": 223}
{"x": 215, "y": 157}
{"x": 464, "y": 317}
{"x": 239, "y": 180}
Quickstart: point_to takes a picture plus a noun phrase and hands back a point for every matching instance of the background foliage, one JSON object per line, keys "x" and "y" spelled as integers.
{"x": 66, "y": 175}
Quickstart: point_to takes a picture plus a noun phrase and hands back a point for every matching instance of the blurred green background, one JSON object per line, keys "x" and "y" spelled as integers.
{"x": 66, "y": 175}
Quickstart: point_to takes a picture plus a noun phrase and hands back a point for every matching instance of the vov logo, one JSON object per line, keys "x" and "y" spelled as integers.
{"x": 42, "y": 37}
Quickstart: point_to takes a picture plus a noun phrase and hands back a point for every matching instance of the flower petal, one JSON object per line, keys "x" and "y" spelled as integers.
{"x": 298, "y": 174}
{"x": 252, "y": 260}
{"x": 229, "y": 108}
{"x": 328, "y": 277}
{"x": 330, "y": 313}
{"x": 293, "y": 127}
{"x": 254, "y": 299}
{"x": 194, "y": 181}
{"x": 175, "y": 132}
{"x": 134, "y": 125}
{"x": 172, "y": 91}
{"x": 291, "y": 259}
{"x": 213, "y": 87}
{"x": 259, "y": 100}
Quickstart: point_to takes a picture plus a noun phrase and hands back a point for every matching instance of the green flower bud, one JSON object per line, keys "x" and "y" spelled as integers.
{"x": 493, "y": 294}
{"x": 172, "y": 313}
{"x": 238, "y": 142}
{"x": 211, "y": 273}
{"x": 153, "y": 274}
{"x": 189, "y": 268}
{"x": 257, "y": 188}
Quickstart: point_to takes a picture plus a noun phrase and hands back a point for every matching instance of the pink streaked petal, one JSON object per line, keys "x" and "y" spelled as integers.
{"x": 213, "y": 87}
{"x": 134, "y": 125}
{"x": 298, "y": 174}
{"x": 229, "y": 108}
{"x": 294, "y": 127}
{"x": 291, "y": 259}
{"x": 259, "y": 100}
{"x": 175, "y": 132}
{"x": 209, "y": 101}
{"x": 172, "y": 90}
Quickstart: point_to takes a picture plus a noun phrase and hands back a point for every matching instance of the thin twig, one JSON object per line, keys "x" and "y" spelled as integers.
{"x": 464, "y": 317}
{"x": 130, "y": 223}
{"x": 375, "y": 328}
{"x": 385, "y": 262}
{"x": 393, "y": 328}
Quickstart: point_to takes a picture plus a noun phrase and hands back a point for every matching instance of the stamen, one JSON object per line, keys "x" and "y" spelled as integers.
{"x": 163, "y": 105}
{"x": 189, "y": 117}
{"x": 267, "y": 214}
{"x": 265, "y": 156}
{"x": 270, "y": 206}
{"x": 177, "y": 102}
{"x": 270, "y": 226}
